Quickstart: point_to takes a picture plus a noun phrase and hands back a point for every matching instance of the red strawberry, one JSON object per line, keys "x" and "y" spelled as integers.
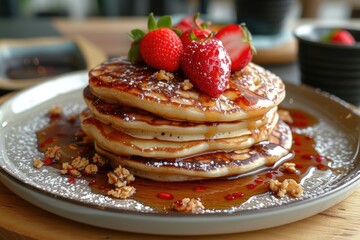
{"x": 340, "y": 36}
{"x": 198, "y": 33}
{"x": 160, "y": 48}
{"x": 237, "y": 42}
{"x": 187, "y": 23}
{"x": 207, "y": 65}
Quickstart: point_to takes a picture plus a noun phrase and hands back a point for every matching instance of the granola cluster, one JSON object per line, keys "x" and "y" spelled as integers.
{"x": 188, "y": 205}
{"x": 288, "y": 186}
{"x": 163, "y": 75}
{"x": 38, "y": 163}
{"x": 53, "y": 152}
{"x": 186, "y": 85}
{"x": 285, "y": 116}
{"x": 120, "y": 178}
{"x": 79, "y": 166}
{"x": 288, "y": 167}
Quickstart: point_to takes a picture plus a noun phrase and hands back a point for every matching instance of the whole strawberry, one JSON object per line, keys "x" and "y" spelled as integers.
{"x": 207, "y": 65}
{"x": 160, "y": 48}
{"x": 340, "y": 36}
{"x": 237, "y": 41}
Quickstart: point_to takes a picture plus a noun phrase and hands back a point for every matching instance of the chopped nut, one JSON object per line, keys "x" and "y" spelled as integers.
{"x": 163, "y": 75}
{"x": 112, "y": 177}
{"x": 120, "y": 177}
{"x": 69, "y": 169}
{"x": 38, "y": 163}
{"x": 65, "y": 167}
{"x": 55, "y": 111}
{"x": 285, "y": 116}
{"x": 123, "y": 173}
{"x": 53, "y": 152}
{"x": 188, "y": 205}
{"x": 99, "y": 160}
{"x": 73, "y": 172}
{"x": 288, "y": 167}
{"x": 90, "y": 169}
{"x": 186, "y": 85}
{"x": 289, "y": 186}
{"x": 116, "y": 180}
{"x": 122, "y": 192}
{"x": 80, "y": 163}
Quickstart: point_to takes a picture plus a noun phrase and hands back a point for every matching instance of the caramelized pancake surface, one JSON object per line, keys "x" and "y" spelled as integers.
{"x": 145, "y": 125}
{"x": 252, "y": 92}
{"x": 209, "y": 164}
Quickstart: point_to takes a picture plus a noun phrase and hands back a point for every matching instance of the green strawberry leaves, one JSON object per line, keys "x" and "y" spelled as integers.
{"x": 134, "y": 52}
{"x": 164, "y": 21}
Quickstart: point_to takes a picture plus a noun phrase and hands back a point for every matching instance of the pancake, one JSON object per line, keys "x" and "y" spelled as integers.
{"x": 208, "y": 165}
{"x": 252, "y": 92}
{"x": 145, "y": 125}
{"x": 123, "y": 144}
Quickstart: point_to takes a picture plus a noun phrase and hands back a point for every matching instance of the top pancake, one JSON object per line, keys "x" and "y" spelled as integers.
{"x": 251, "y": 92}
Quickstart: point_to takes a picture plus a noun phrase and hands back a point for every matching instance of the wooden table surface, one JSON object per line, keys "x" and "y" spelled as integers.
{"x": 21, "y": 220}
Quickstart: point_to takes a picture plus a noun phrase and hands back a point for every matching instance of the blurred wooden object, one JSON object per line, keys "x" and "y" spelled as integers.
{"x": 281, "y": 54}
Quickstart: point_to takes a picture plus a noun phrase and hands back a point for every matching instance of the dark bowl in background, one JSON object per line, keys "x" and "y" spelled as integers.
{"x": 263, "y": 17}
{"x": 332, "y": 67}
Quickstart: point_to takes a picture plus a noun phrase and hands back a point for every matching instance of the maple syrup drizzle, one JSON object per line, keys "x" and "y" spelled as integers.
{"x": 217, "y": 194}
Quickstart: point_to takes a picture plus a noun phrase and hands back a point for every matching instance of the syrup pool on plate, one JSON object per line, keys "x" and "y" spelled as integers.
{"x": 215, "y": 194}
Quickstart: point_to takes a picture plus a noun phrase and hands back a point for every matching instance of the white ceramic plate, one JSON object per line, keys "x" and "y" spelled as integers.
{"x": 337, "y": 135}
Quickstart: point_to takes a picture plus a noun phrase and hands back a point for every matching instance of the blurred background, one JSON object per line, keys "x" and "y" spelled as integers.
{"x": 104, "y": 25}
{"x": 220, "y": 10}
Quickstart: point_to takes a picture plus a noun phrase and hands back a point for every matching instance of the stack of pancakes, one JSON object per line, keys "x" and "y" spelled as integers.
{"x": 160, "y": 131}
